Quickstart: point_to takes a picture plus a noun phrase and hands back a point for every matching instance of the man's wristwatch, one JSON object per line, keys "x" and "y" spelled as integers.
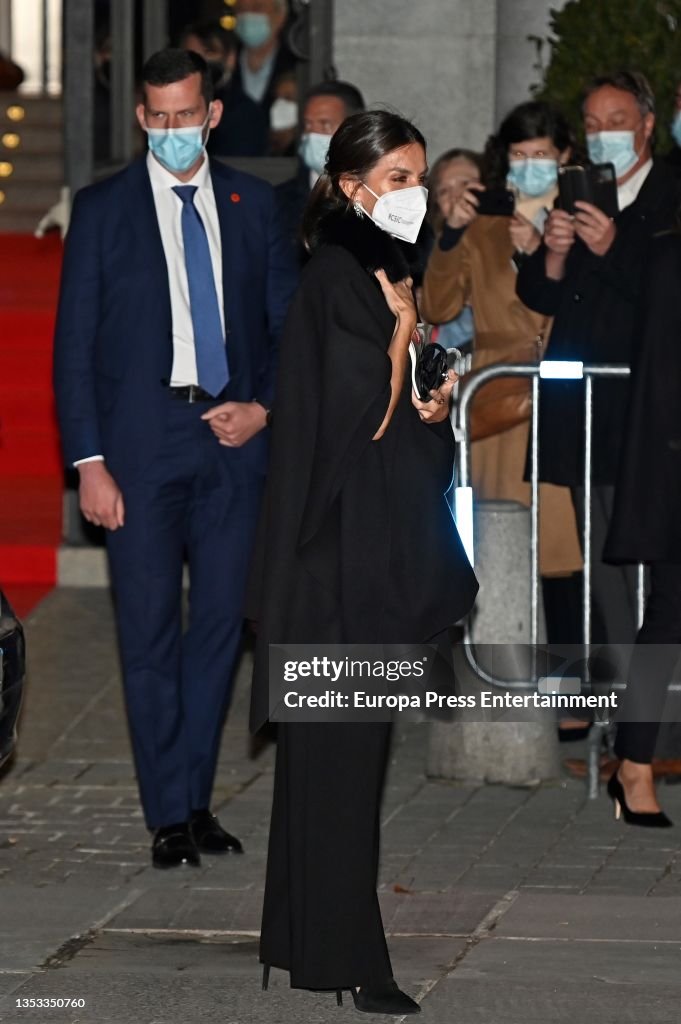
{"x": 268, "y": 412}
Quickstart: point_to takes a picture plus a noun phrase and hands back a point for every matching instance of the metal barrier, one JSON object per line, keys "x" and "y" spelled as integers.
{"x": 547, "y": 370}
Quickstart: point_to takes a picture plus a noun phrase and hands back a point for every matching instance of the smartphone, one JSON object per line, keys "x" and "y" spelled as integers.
{"x": 496, "y": 202}
{"x": 595, "y": 184}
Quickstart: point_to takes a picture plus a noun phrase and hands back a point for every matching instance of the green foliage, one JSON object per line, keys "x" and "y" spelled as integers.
{"x": 596, "y": 37}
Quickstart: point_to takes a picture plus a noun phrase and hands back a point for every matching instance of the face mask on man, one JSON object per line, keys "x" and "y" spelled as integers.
{"x": 615, "y": 148}
{"x": 534, "y": 176}
{"x": 253, "y": 29}
{"x": 177, "y": 149}
{"x": 313, "y": 150}
{"x": 676, "y": 128}
{"x": 283, "y": 115}
{"x": 400, "y": 212}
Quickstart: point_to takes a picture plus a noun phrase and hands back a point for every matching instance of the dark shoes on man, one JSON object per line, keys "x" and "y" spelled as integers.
{"x": 183, "y": 843}
{"x": 210, "y": 836}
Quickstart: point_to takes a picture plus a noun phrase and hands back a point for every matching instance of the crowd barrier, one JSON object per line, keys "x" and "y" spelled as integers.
{"x": 463, "y": 511}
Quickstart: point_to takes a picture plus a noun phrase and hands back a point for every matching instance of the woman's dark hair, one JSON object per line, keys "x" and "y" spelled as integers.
{"x": 534, "y": 120}
{"x": 356, "y": 147}
{"x": 434, "y": 215}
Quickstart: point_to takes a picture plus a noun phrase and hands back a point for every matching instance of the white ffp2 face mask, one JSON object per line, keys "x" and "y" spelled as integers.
{"x": 401, "y": 211}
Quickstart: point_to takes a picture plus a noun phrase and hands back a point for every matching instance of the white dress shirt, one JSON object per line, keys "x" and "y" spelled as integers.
{"x": 169, "y": 215}
{"x": 628, "y": 192}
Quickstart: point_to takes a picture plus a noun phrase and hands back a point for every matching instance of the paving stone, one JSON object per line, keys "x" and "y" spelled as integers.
{"x": 599, "y": 918}
{"x": 40, "y": 920}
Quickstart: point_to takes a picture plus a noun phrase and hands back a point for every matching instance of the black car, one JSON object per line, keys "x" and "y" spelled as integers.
{"x": 12, "y": 673}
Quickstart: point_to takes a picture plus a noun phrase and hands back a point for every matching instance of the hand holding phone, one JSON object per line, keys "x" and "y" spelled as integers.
{"x": 594, "y": 227}
{"x": 496, "y": 202}
{"x": 465, "y": 209}
{"x": 595, "y": 184}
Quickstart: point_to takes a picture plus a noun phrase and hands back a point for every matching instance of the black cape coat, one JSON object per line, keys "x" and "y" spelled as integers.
{"x": 594, "y": 309}
{"x": 646, "y": 522}
{"x": 356, "y": 542}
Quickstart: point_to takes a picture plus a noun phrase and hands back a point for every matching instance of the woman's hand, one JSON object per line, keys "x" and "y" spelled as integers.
{"x": 524, "y": 235}
{"x": 559, "y": 232}
{"x": 437, "y": 409}
{"x": 400, "y": 298}
{"x": 464, "y": 210}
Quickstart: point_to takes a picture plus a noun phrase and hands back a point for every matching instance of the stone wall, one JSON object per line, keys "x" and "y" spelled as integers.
{"x": 453, "y": 66}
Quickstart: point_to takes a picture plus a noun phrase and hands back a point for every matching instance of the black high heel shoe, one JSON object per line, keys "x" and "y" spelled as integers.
{"x": 647, "y": 819}
{"x": 383, "y": 998}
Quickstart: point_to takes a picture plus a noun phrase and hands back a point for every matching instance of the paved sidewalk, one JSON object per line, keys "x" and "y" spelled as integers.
{"x": 513, "y": 905}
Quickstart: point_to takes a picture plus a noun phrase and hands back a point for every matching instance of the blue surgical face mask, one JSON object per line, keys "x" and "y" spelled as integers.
{"x": 676, "y": 128}
{"x": 534, "y": 176}
{"x": 253, "y": 29}
{"x": 177, "y": 149}
{"x": 615, "y": 148}
{"x": 313, "y": 150}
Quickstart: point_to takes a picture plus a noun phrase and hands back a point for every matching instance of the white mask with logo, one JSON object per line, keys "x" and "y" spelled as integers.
{"x": 400, "y": 212}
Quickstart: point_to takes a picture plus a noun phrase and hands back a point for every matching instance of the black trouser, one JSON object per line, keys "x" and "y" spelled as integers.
{"x": 321, "y": 917}
{"x": 651, "y": 667}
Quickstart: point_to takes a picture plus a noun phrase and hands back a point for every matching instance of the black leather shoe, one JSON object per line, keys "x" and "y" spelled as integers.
{"x": 210, "y": 836}
{"x": 383, "y": 998}
{"x": 174, "y": 845}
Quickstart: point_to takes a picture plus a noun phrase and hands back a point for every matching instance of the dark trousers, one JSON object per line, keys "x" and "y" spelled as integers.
{"x": 321, "y": 917}
{"x": 198, "y": 499}
{"x": 651, "y": 666}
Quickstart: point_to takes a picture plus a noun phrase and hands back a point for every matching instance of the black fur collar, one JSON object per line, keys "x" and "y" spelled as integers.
{"x": 373, "y": 248}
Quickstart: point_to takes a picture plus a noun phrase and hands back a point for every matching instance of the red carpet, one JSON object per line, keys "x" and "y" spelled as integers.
{"x": 31, "y": 473}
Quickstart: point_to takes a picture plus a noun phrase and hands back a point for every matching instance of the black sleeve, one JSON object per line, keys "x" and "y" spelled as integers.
{"x": 450, "y": 237}
{"x": 535, "y": 289}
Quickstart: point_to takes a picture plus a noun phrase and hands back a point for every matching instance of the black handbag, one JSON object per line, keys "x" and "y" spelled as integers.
{"x": 428, "y": 368}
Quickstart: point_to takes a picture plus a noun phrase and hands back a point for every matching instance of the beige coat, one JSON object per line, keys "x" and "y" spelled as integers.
{"x": 478, "y": 271}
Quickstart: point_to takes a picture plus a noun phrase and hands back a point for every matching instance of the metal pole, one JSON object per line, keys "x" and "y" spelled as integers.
{"x": 640, "y": 593}
{"x": 155, "y": 26}
{"x": 586, "y": 609}
{"x": 534, "y": 527}
{"x": 45, "y": 42}
{"x": 122, "y": 79}
{"x": 78, "y": 93}
{"x": 594, "y": 745}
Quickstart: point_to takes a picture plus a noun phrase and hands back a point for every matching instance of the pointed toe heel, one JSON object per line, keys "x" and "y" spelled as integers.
{"x": 384, "y": 998}
{"x": 644, "y": 819}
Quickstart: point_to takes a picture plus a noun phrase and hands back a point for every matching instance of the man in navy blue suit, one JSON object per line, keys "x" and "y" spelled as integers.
{"x": 176, "y": 281}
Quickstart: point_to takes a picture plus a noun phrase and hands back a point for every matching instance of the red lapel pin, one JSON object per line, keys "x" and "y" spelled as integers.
{"x": 235, "y": 197}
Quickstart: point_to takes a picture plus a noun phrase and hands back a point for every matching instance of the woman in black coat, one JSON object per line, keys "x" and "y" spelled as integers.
{"x": 646, "y": 527}
{"x": 357, "y": 545}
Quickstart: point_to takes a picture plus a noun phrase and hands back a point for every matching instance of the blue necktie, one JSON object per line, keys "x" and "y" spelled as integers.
{"x": 209, "y": 341}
